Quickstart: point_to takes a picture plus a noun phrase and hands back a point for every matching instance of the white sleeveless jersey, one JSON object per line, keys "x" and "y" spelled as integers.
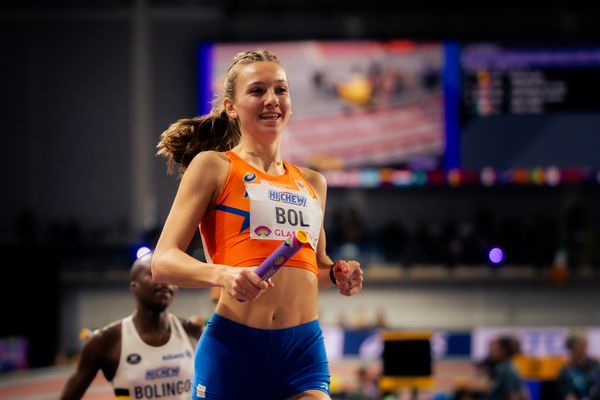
{"x": 151, "y": 372}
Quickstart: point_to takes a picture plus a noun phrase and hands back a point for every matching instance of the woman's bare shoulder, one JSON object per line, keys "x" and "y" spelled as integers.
{"x": 215, "y": 159}
{"x": 315, "y": 178}
{"x": 209, "y": 165}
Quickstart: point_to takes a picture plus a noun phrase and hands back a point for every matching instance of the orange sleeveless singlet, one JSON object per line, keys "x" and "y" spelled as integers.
{"x": 226, "y": 228}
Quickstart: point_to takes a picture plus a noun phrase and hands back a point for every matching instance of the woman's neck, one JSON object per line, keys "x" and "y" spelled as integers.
{"x": 264, "y": 157}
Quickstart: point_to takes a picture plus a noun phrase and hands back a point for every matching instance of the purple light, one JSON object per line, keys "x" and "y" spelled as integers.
{"x": 496, "y": 255}
{"x": 142, "y": 251}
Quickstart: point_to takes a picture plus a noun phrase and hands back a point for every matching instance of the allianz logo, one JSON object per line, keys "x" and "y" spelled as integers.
{"x": 175, "y": 356}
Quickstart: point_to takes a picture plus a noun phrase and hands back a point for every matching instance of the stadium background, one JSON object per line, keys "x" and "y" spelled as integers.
{"x": 87, "y": 86}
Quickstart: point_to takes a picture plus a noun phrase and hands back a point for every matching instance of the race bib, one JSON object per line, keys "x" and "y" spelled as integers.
{"x": 276, "y": 213}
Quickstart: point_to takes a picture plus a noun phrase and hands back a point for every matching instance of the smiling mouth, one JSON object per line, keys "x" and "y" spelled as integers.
{"x": 269, "y": 116}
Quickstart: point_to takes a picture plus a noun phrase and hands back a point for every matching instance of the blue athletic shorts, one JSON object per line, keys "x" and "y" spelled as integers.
{"x": 235, "y": 362}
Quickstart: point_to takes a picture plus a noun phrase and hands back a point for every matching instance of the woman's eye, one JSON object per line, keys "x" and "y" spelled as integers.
{"x": 281, "y": 90}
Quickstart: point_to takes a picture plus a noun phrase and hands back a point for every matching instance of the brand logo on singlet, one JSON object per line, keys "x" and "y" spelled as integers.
{"x": 134, "y": 358}
{"x": 287, "y": 198}
{"x": 249, "y": 177}
{"x": 162, "y": 372}
{"x": 201, "y": 391}
{"x": 175, "y": 356}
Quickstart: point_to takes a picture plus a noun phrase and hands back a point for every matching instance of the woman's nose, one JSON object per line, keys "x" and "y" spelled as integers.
{"x": 271, "y": 98}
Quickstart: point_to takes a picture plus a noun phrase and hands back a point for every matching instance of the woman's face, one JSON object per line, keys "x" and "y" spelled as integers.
{"x": 262, "y": 102}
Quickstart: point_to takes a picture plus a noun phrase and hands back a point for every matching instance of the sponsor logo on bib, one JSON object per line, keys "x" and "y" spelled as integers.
{"x": 162, "y": 372}
{"x": 262, "y": 231}
{"x": 287, "y": 198}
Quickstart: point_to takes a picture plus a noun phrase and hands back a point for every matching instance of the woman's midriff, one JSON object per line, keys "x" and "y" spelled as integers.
{"x": 292, "y": 301}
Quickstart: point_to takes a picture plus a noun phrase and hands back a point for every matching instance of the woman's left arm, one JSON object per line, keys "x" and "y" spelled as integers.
{"x": 348, "y": 275}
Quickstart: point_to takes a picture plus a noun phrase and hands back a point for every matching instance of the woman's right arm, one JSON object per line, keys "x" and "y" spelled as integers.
{"x": 170, "y": 263}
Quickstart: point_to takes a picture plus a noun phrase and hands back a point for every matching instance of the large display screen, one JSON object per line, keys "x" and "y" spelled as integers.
{"x": 356, "y": 104}
{"x": 524, "y": 80}
{"x": 404, "y": 113}
{"x": 529, "y": 106}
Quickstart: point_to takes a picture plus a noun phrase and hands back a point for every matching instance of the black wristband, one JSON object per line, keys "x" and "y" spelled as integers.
{"x": 331, "y": 275}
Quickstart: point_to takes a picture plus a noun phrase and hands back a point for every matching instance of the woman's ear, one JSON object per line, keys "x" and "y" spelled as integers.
{"x": 229, "y": 108}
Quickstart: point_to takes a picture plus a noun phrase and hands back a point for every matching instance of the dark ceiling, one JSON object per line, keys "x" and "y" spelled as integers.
{"x": 377, "y": 19}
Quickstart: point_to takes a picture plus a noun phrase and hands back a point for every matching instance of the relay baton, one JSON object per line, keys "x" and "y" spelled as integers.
{"x": 282, "y": 254}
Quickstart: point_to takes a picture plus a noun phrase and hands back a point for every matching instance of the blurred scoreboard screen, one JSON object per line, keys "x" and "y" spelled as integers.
{"x": 410, "y": 357}
{"x": 406, "y": 360}
{"x": 524, "y": 80}
{"x": 357, "y": 104}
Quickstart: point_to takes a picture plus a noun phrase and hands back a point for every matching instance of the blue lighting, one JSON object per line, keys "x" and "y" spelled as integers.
{"x": 496, "y": 255}
{"x": 204, "y": 65}
{"x": 451, "y": 79}
{"x": 142, "y": 251}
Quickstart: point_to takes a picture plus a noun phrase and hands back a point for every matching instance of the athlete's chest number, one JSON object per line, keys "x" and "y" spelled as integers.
{"x": 290, "y": 216}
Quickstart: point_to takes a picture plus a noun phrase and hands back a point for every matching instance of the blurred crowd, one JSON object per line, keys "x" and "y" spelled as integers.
{"x": 536, "y": 241}
{"x": 497, "y": 377}
{"x": 540, "y": 240}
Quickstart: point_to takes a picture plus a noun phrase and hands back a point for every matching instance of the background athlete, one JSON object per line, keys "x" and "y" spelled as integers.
{"x": 146, "y": 355}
